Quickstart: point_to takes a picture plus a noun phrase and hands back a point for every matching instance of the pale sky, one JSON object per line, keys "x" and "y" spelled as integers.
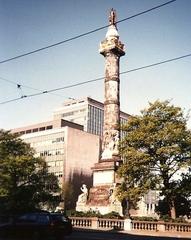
{"x": 26, "y": 25}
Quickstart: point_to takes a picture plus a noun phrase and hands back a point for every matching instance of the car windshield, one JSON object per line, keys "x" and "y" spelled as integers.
{"x": 59, "y": 217}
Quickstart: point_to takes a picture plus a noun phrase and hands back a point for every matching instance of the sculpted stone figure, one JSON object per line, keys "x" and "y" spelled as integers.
{"x": 112, "y": 17}
{"x": 82, "y": 198}
{"x": 110, "y": 144}
{"x": 113, "y": 195}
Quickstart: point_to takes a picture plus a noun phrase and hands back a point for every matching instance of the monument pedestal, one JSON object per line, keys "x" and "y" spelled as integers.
{"x": 102, "y": 196}
{"x": 82, "y": 207}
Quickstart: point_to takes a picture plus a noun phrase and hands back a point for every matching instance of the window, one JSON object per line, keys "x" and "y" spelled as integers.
{"x": 67, "y": 114}
{"x": 60, "y": 139}
{"x": 43, "y": 219}
{"x": 35, "y": 130}
{"x": 28, "y": 218}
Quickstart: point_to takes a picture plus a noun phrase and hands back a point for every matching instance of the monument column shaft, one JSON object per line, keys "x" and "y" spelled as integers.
{"x": 111, "y": 104}
{"x": 112, "y": 49}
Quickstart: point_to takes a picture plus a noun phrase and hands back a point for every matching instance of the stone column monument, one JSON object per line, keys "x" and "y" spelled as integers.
{"x": 112, "y": 49}
{"x": 102, "y": 194}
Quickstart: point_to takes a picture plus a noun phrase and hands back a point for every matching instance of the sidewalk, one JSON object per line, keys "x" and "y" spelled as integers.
{"x": 143, "y": 233}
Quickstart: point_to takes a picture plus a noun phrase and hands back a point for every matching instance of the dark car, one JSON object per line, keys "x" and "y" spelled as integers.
{"x": 36, "y": 225}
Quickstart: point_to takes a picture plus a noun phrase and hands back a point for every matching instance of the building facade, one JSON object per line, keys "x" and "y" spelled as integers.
{"x": 68, "y": 151}
{"x": 87, "y": 112}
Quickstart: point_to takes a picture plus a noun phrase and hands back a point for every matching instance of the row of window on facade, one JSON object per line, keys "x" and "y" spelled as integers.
{"x": 36, "y": 130}
{"x": 58, "y": 163}
{"x": 95, "y": 120}
{"x": 57, "y": 173}
{"x": 47, "y": 142}
{"x": 54, "y": 152}
{"x": 73, "y": 112}
{"x": 56, "y": 167}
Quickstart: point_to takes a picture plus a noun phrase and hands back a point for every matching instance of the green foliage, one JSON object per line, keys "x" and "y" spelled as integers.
{"x": 157, "y": 146}
{"x": 182, "y": 206}
{"x": 166, "y": 218}
{"x": 179, "y": 220}
{"x": 112, "y": 215}
{"x": 24, "y": 179}
{"x": 91, "y": 213}
{"x": 150, "y": 219}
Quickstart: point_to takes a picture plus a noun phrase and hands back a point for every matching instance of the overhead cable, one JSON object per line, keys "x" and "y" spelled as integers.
{"x": 84, "y": 34}
{"x": 98, "y": 79}
{"x": 19, "y": 85}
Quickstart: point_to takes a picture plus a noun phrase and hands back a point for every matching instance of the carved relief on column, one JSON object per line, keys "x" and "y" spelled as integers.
{"x": 110, "y": 144}
{"x": 111, "y": 66}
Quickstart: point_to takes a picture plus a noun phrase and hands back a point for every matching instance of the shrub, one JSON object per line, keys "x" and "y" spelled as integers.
{"x": 90, "y": 213}
{"x": 150, "y": 219}
{"x": 112, "y": 215}
{"x": 166, "y": 218}
{"x": 179, "y": 220}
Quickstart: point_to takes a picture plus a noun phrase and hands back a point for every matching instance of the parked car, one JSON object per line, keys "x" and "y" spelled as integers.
{"x": 36, "y": 225}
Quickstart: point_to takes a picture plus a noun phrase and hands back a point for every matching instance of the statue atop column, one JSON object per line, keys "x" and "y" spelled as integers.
{"x": 112, "y": 17}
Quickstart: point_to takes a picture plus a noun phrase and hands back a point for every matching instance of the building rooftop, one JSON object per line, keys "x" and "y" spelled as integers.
{"x": 58, "y": 123}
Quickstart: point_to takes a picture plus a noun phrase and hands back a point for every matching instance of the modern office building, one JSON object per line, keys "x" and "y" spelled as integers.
{"x": 87, "y": 112}
{"x": 68, "y": 150}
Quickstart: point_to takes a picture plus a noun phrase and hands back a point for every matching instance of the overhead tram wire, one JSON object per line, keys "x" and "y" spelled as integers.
{"x": 98, "y": 79}
{"x": 25, "y": 86}
{"x": 156, "y": 64}
{"x": 85, "y": 34}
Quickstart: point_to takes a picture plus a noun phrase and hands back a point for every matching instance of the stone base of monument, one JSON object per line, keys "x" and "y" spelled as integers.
{"x": 100, "y": 209}
{"x": 99, "y": 195}
{"x": 82, "y": 207}
{"x": 102, "y": 196}
{"x": 101, "y": 199}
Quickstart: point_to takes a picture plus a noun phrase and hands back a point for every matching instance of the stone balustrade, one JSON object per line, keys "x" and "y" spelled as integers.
{"x": 111, "y": 223}
{"x": 81, "y": 222}
{"x": 177, "y": 227}
{"x": 144, "y": 225}
{"x": 130, "y": 225}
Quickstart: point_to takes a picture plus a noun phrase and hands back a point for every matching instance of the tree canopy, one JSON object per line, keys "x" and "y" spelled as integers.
{"x": 157, "y": 154}
{"x": 25, "y": 183}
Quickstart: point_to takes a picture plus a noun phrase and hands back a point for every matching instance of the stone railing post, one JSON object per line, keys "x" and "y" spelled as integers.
{"x": 161, "y": 226}
{"x": 95, "y": 223}
{"x": 127, "y": 224}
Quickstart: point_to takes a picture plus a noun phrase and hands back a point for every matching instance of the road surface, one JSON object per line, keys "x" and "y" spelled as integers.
{"x": 107, "y": 235}
{"x": 103, "y": 235}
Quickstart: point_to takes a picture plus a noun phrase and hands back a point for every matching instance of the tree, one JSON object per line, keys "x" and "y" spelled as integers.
{"x": 156, "y": 152}
{"x": 182, "y": 206}
{"x": 25, "y": 183}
